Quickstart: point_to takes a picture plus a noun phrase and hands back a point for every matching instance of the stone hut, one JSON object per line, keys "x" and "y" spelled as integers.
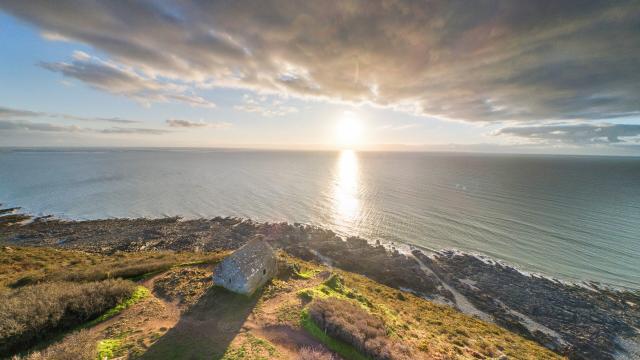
{"x": 248, "y": 268}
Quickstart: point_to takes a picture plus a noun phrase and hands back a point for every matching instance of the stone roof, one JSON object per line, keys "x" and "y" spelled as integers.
{"x": 252, "y": 256}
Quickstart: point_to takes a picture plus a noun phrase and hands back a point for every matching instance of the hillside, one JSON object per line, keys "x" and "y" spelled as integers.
{"x": 172, "y": 311}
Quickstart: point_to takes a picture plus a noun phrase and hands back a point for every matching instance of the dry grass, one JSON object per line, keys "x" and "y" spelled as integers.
{"x": 352, "y": 324}
{"x": 77, "y": 346}
{"x": 309, "y": 353}
{"x": 21, "y": 266}
{"x": 34, "y": 313}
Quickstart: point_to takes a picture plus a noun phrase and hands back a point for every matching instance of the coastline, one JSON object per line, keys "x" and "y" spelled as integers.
{"x": 573, "y": 319}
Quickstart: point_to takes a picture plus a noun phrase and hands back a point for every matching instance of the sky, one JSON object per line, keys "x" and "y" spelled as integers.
{"x": 541, "y": 76}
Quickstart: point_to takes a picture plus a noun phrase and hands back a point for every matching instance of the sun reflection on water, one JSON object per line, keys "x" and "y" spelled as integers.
{"x": 346, "y": 188}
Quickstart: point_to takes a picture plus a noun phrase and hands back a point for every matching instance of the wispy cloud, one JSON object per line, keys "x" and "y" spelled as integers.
{"x": 575, "y": 134}
{"x": 26, "y": 125}
{"x": 264, "y": 106}
{"x": 22, "y": 120}
{"x": 399, "y": 126}
{"x": 143, "y": 131}
{"x": 196, "y": 124}
{"x": 120, "y": 80}
{"x": 9, "y": 113}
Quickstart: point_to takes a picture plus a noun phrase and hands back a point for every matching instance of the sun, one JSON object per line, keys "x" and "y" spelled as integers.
{"x": 349, "y": 130}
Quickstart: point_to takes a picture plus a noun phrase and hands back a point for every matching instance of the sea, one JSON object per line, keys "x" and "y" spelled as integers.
{"x": 574, "y": 218}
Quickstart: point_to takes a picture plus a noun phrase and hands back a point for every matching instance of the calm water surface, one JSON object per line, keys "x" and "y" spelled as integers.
{"x": 576, "y": 218}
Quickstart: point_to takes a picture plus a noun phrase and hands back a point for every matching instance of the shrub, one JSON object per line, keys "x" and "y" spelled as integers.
{"x": 309, "y": 353}
{"x": 32, "y": 313}
{"x": 77, "y": 346}
{"x": 350, "y": 323}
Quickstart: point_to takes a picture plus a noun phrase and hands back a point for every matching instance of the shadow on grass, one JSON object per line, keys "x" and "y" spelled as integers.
{"x": 207, "y": 329}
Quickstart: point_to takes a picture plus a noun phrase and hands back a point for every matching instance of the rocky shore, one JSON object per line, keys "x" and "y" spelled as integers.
{"x": 582, "y": 322}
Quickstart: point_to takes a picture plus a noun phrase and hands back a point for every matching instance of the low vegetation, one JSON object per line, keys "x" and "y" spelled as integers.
{"x": 34, "y": 313}
{"x": 138, "y": 294}
{"x": 77, "y": 346}
{"x": 309, "y": 353}
{"x": 428, "y": 329}
{"x": 20, "y": 266}
{"x": 352, "y": 324}
{"x": 251, "y": 347}
{"x": 168, "y": 309}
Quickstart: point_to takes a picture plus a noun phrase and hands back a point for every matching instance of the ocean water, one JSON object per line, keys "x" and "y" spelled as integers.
{"x": 574, "y": 218}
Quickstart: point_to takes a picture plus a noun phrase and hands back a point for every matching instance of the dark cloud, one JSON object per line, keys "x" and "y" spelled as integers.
{"x": 576, "y": 134}
{"x": 489, "y": 60}
{"x": 196, "y": 124}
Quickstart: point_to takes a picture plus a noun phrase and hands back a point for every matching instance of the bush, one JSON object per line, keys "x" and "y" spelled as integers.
{"x": 309, "y": 353}
{"x": 77, "y": 346}
{"x": 33, "y": 313}
{"x": 350, "y": 323}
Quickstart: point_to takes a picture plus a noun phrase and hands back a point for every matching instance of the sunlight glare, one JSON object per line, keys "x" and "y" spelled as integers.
{"x": 349, "y": 130}
{"x": 346, "y": 189}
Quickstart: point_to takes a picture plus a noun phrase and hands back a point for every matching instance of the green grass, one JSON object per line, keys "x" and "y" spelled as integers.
{"x": 334, "y": 287}
{"x": 108, "y": 347}
{"x": 343, "y": 349}
{"x": 140, "y": 293}
{"x": 306, "y": 274}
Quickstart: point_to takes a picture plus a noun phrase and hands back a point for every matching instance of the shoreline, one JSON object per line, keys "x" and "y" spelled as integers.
{"x": 573, "y": 319}
{"x": 402, "y": 247}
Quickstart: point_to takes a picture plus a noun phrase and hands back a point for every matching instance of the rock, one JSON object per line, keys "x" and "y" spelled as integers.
{"x": 248, "y": 268}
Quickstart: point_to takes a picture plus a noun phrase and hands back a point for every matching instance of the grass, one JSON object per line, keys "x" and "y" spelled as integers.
{"x": 343, "y": 349}
{"x": 108, "y": 347}
{"x": 251, "y": 348}
{"x": 138, "y": 294}
{"x": 78, "y": 345}
{"x": 334, "y": 287}
{"x": 430, "y": 329}
{"x": 22, "y": 265}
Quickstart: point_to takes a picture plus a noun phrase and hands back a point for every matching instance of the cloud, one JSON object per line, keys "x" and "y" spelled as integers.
{"x": 261, "y": 105}
{"x": 493, "y": 60}
{"x": 20, "y": 120}
{"x": 143, "y": 131}
{"x": 575, "y": 134}
{"x": 196, "y": 124}
{"x": 119, "y": 80}
{"x": 25, "y": 125}
{"x": 16, "y": 113}
{"x": 9, "y": 113}
{"x": 399, "y": 127}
